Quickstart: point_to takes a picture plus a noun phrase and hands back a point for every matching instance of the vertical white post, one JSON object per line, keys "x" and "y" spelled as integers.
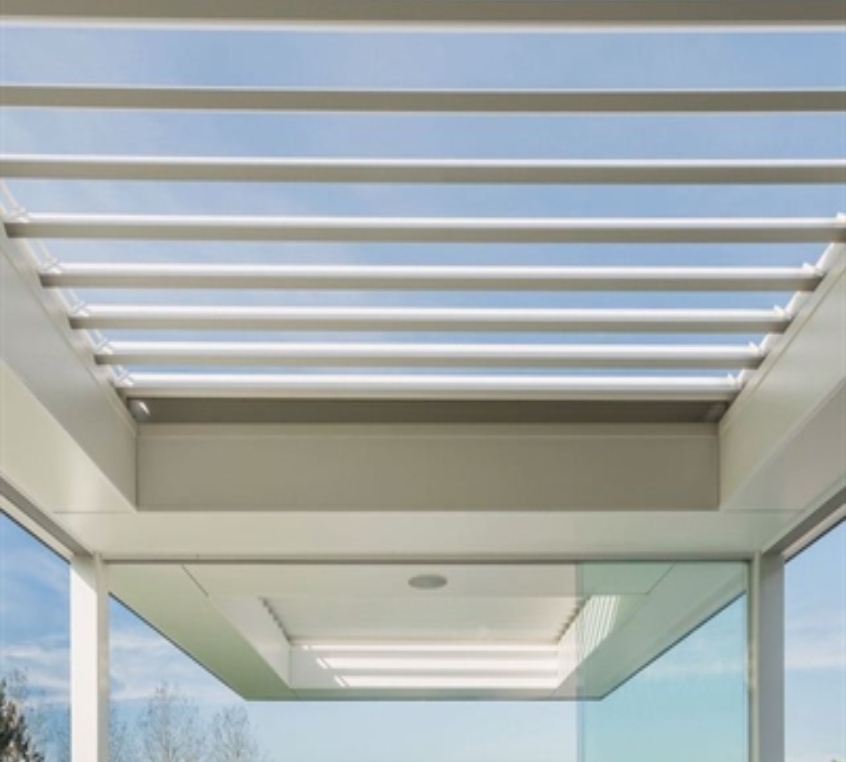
{"x": 766, "y": 658}
{"x": 89, "y": 661}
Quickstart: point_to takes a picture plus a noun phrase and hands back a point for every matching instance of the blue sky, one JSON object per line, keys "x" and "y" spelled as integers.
{"x": 693, "y": 697}
{"x": 428, "y": 60}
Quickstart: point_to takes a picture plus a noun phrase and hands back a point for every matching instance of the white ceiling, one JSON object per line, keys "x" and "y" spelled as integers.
{"x": 496, "y": 630}
{"x": 373, "y": 601}
{"x": 425, "y": 618}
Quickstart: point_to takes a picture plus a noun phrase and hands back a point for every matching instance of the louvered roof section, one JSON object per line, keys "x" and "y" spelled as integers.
{"x": 455, "y": 207}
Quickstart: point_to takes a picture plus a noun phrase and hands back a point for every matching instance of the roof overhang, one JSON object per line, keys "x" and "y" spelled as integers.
{"x": 466, "y": 519}
{"x": 227, "y": 516}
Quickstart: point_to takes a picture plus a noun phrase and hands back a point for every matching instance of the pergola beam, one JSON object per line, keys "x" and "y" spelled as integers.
{"x": 499, "y": 387}
{"x": 481, "y": 171}
{"x": 488, "y": 15}
{"x": 424, "y": 278}
{"x": 146, "y": 317}
{"x": 430, "y": 230}
{"x": 402, "y": 355}
{"x": 524, "y": 101}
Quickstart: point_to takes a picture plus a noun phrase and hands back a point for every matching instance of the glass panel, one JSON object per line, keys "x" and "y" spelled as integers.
{"x": 647, "y": 658}
{"x": 153, "y": 682}
{"x": 815, "y": 611}
{"x": 34, "y": 644}
{"x": 689, "y": 701}
{"x": 165, "y": 707}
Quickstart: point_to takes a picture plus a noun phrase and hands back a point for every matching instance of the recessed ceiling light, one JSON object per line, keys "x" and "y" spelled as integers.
{"x": 428, "y": 582}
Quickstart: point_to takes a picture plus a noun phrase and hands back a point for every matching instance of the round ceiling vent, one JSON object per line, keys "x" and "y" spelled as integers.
{"x": 428, "y": 582}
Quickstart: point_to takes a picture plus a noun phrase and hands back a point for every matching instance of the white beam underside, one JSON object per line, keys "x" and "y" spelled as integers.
{"x": 260, "y": 628}
{"x": 327, "y": 536}
{"x": 38, "y": 524}
{"x": 783, "y": 442}
{"x": 482, "y": 171}
{"x": 148, "y": 386}
{"x": 428, "y": 355}
{"x": 487, "y": 15}
{"x": 487, "y": 468}
{"x": 156, "y": 317}
{"x": 448, "y": 278}
{"x": 429, "y": 230}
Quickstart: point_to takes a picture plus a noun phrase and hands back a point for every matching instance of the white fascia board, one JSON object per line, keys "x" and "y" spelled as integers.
{"x": 269, "y": 536}
{"x": 49, "y": 532}
{"x": 783, "y": 441}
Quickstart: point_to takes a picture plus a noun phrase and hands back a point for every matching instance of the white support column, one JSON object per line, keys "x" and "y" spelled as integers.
{"x": 89, "y": 661}
{"x": 766, "y": 658}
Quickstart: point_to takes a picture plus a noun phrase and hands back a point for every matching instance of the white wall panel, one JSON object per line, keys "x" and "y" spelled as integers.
{"x": 42, "y": 461}
{"x": 39, "y": 348}
{"x": 446, "y": 468}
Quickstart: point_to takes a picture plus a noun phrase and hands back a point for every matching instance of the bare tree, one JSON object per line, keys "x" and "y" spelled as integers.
{"x": 170, "y": 729}
{"x": 51, "y": 732}
{"x": 122, "y": 746}
{"x": 48, "y": 722}
{"x": 232, "y": 738}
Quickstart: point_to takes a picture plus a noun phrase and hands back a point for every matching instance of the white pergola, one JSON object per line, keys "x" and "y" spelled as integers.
{"x": 227, "y": 488}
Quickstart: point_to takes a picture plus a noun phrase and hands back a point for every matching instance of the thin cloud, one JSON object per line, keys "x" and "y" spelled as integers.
{"x": 816, "y": 640}
{"x": 46, "y": 665}
{"x": 140, "y": 660}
